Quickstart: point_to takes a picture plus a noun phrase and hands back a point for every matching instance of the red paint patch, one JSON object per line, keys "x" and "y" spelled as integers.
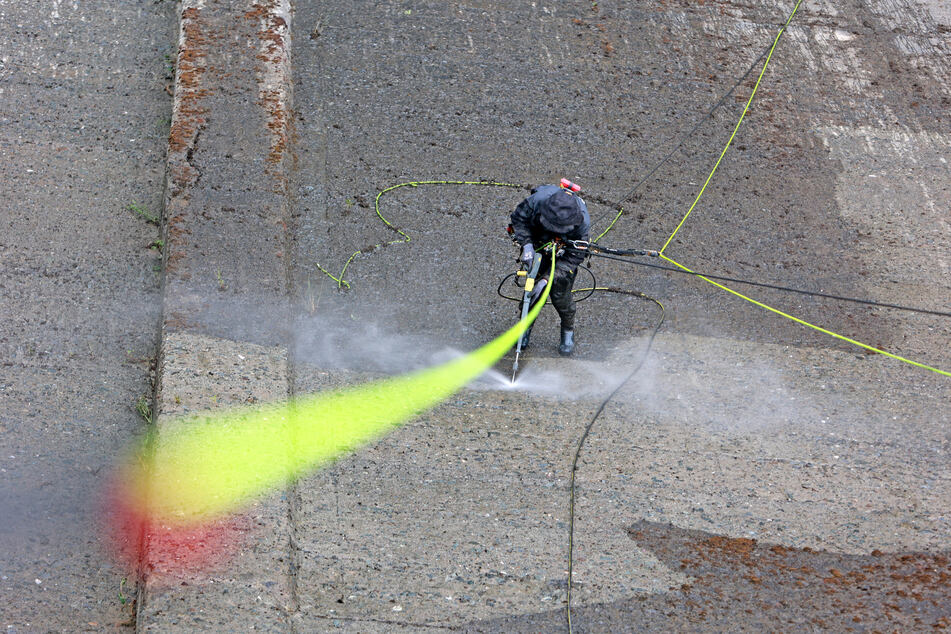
{"x": 158, "y": 549}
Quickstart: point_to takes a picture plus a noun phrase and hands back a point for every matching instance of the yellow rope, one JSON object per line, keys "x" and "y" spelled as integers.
{"x": 610, "y": 226}
{"x": 737, "y": 127}
{"x": 406, "y": 238}
{"x": 740, "y": 295}
{"x": 806, "y": 323}
{"x": 339, "y": 279}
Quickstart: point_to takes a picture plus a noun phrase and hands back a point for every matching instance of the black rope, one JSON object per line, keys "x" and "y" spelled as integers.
{"x": 776, "y": 287}
{"x": 696, "y": 127}
{"x": 587, "y": 430}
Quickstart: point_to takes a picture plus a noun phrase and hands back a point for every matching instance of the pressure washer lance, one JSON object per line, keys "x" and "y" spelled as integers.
{"x": 529, "y": 273}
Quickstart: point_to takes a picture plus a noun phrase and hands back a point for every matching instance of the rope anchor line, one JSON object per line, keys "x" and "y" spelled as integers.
{"x": 608, "y": 254}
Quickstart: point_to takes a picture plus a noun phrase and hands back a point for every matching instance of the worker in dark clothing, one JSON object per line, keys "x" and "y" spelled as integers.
{"x": 554, "y": 211}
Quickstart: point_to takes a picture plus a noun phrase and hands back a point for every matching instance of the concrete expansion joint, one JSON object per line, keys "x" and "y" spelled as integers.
{"x": 237, "y": 197}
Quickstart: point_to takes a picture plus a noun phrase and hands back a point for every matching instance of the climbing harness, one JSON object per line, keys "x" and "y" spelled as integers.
{"x": 581, "y": 267}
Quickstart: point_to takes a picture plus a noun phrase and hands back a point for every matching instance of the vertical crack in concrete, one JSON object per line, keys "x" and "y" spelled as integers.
{"x": 187, "y": 121}
{"x": 292, "y": 494}
{"x": 203, "y": 362}
{"x": 310, "y": 173}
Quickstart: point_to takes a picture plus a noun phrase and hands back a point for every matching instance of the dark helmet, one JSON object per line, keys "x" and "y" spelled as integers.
{"x": 561, "y": 212}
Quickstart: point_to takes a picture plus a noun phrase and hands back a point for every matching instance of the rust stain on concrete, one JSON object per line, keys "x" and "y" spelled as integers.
{"x": 274, "y": 37}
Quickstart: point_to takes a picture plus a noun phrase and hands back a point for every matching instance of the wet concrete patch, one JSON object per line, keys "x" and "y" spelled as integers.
{"x": 474, "y": 67}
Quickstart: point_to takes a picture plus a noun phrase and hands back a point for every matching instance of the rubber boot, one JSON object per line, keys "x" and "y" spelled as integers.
{"x": 567, "y": 345}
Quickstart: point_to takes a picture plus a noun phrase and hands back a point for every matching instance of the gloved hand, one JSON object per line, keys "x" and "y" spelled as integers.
{"x": 539, "y": 287}
{"x": 528, "y": 253}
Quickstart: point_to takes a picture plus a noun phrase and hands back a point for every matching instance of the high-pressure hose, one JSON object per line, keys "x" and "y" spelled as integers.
{"x": 587, "y": 431}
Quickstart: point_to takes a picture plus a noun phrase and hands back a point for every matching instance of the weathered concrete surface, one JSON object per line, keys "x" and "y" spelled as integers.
{"x": 83, "y": 127}
{"x": 223, "y": 327}
{"x": 740, "y": 584}
{"x": 225, "y": 208}
{"x": 462, "y": 515}
{"x": 742, "y": 424}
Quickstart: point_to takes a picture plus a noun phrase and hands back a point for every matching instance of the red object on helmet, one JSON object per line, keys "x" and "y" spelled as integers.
{"x": 567, "y": 184}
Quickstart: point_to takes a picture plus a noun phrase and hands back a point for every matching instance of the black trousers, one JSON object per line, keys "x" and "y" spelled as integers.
{"x": 561, "y": 297}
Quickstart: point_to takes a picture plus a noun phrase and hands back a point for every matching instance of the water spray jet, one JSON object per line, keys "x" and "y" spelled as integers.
{"x": 195, "y": 472}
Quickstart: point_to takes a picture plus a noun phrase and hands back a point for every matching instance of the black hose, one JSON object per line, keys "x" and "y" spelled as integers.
{"x": 590, "y": 291}
{"x": 693, "y": 130}
{"x": 587, "y": 431}
{"x": 776, "y": 287}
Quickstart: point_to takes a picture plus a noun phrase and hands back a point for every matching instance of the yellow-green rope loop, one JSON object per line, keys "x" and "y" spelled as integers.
{"x": 404, "y": 237}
